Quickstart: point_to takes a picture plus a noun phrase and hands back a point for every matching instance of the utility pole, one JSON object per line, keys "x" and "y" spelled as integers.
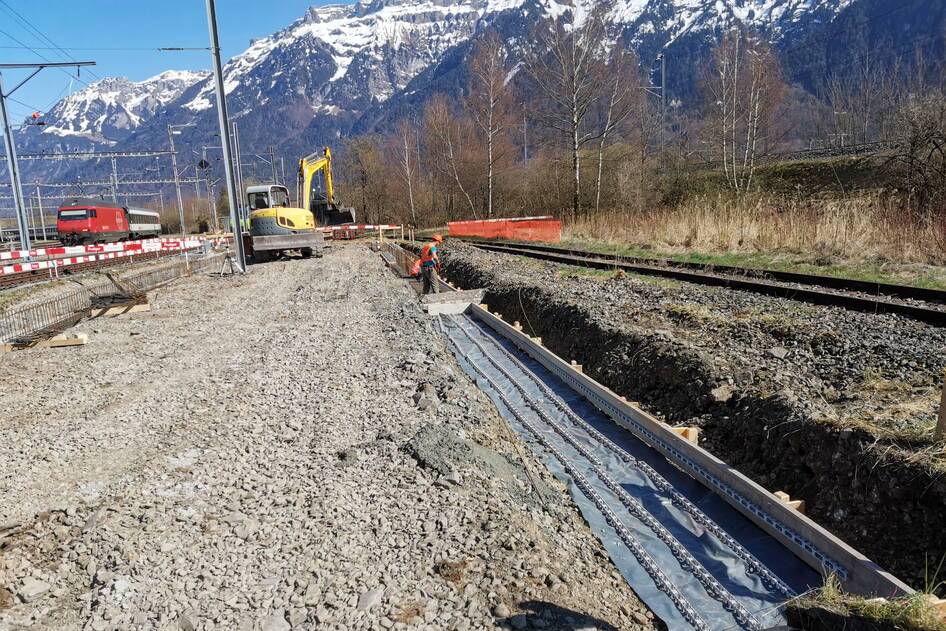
{"x": 114, "y": 180}
{"x": 225, "y": 137}
{"x": 12, "y": 164}
{"x": 39, "y": 200}
{"x": 525, "y": 139}
{"x": 663, "y": 103}
{"x": 238, "y": 162}
{"x": 282, "y": 166}
{"x": 177, "y": 181}
{"x": 272, "y": 162}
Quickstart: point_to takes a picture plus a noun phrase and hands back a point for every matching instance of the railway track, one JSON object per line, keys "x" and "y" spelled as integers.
{"x": 926, "y": 305}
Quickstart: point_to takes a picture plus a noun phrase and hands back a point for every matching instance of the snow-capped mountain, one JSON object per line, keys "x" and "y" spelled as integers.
{"x": 109, "y": 110}
{"x": 351, "y": 68}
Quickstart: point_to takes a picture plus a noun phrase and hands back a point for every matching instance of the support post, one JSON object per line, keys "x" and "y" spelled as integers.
{"x": 177, "y": 180}
{"x": 114, "y": 180}
{"x": 225, "y": 137}
{"x": 42, "y": 220}
{"x": 14, "y": 170}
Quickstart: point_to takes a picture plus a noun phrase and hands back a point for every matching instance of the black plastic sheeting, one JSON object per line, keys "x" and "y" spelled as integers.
{"x": 710, "y": 574}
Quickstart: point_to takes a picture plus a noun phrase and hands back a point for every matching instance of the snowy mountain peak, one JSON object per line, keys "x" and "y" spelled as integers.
{"x": 108, "y": 110}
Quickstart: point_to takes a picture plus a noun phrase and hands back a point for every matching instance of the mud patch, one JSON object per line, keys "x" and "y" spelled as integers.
{"x": 439, "y": 449}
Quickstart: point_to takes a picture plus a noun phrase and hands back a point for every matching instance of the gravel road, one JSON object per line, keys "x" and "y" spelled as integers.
{"x": 293, "y": 449}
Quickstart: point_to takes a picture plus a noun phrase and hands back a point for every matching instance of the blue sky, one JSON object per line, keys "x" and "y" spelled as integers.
{"x": 96, "y": 25}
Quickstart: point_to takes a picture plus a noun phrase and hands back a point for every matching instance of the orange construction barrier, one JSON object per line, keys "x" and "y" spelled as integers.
{"x": 530, "y": 230}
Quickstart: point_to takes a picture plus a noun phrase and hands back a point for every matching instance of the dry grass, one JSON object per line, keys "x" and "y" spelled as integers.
{"x": 914, "y": 612}
{"x": 855, "y": 228}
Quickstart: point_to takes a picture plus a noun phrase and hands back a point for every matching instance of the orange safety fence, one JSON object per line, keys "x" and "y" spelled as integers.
{"x": 548, "y": 231}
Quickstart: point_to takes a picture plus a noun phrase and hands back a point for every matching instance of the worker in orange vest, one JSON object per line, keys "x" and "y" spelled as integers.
{"x": 430, "y": 264}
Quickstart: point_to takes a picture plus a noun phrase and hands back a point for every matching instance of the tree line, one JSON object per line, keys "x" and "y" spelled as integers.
{"x": 572, "y": 123}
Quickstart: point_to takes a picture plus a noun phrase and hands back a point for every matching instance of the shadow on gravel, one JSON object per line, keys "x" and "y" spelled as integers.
{"x": 560, "y": 618}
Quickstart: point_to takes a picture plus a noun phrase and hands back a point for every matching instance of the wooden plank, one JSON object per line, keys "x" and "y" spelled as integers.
{"x": 63, "y": 339}
{"x": 120, "y": 309}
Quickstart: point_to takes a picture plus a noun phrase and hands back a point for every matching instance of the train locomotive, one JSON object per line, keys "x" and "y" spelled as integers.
{"x": 86, "y": 221}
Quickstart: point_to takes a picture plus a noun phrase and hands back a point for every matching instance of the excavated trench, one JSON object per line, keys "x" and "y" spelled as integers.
{"x": 876, "y": 499}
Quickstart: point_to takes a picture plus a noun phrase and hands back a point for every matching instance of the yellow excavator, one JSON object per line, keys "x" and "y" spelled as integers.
{"x": 276, "y": 227}
{"x": 322, "y": 204}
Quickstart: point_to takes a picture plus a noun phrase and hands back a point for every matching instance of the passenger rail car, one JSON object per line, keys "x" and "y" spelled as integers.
{"x": 86, "y": 221}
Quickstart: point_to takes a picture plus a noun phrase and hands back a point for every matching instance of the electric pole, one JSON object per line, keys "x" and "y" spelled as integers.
{"x": 225, "y": 137}
{"x": 272, "y": 162}
{"x": 12, "y": 164}
{"x": 177, "y": 180}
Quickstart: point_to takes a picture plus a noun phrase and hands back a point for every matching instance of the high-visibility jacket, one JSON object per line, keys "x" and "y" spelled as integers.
{"x": 428, "y": 253}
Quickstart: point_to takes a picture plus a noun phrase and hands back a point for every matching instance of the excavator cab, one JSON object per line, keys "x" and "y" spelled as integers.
{"x": 271, "y": 213}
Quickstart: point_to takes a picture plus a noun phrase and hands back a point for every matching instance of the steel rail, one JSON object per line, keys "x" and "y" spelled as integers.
{"x": 740, "y": 279}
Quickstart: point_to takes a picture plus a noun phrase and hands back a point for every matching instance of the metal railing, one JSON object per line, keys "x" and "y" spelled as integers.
{"x": 26, "y": 321}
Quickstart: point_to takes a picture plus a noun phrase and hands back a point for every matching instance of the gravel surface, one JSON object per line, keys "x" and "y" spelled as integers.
{"x": 293, "y": 449}
{"x": 884, "y": 371}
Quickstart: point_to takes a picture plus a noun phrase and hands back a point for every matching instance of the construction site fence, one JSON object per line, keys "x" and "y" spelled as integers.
{"x": 57, "y": 309}
{"x": 545, "y": 230}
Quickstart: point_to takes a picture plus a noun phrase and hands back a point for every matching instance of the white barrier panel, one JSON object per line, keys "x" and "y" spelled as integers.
{"x": 542, "y": 218}
{"x": 119, "y": 246}
{"x": 375, "y": 227}
{"x": 155, "y": 245}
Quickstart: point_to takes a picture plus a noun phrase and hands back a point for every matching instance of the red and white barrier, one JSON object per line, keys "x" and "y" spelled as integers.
{"x": 542, "y": 218}
{"x": 143, "y": 245}
{"x": 133, "y": 247}
{"x": 373, "y": 227}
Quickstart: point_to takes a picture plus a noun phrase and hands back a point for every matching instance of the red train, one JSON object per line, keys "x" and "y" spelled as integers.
{"x": 84, "y": 221}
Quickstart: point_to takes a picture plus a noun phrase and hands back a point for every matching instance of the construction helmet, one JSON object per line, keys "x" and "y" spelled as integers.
{"x": 437, "y": 237}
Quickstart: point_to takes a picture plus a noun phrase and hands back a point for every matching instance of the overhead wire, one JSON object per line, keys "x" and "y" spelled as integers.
{"x": 42, "y": 36}
{"x": 45, "y": 58}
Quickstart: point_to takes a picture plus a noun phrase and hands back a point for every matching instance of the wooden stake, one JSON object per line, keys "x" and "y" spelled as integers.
{"x": 692, "y": 434}
{"x": 940, "y": 432}
{"x": 798, "y": 505}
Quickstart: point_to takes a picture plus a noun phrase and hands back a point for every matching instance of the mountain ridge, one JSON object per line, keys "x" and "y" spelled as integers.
{"x": 354, "y": 68}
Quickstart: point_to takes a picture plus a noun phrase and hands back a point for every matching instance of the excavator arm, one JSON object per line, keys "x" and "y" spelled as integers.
{"x": 326, "y": 211}
{"x": 308, "y": 167}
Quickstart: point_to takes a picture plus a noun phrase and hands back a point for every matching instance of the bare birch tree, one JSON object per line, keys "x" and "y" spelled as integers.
{"x": 565, "y": 62}
{"x": 489, "y": 101}
{"x": 744, "y": 87}
{"x": 404, "y": 149}
{"x": 443, "y": 132}
{"x": 621, "y": 93}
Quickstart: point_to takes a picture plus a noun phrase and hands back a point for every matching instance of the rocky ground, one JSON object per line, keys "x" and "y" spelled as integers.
{"x": 835, "y": 407}
{"x": 884, "y": 372}
{"x": 293, "y": 449}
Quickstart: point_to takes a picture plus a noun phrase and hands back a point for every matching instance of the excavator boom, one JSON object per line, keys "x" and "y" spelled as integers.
{"x": 312, "y": 164}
